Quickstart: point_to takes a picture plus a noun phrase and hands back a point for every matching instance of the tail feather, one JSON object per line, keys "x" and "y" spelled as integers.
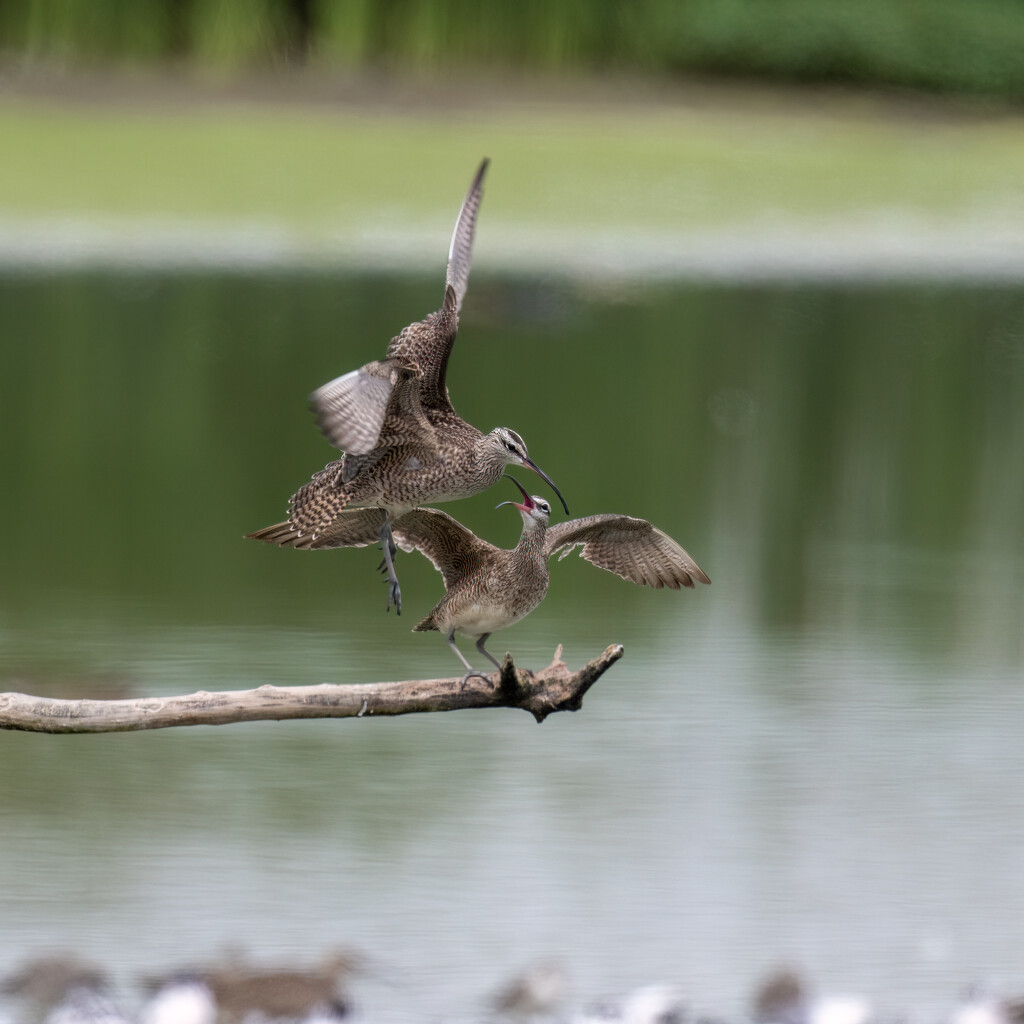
{"x": 285, "y": 535}
{"x": 426, "y": 625}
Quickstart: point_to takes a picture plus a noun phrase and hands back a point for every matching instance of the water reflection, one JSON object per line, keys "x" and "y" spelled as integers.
{"x": 814, "y": 761}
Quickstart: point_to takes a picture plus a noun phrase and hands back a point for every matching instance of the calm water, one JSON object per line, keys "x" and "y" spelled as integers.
{"x": 816, "y": 761}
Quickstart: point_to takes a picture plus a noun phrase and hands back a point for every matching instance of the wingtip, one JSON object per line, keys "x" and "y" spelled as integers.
{"x": 476, "y": 185}
{"x": 282, "y": 534}
{"x": 264, "y": 534}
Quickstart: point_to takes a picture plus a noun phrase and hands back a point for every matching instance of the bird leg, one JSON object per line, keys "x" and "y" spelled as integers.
{"x": 458, "y": 654}
{"x": 389, "y": 547}
{"x": 486, "y": 653}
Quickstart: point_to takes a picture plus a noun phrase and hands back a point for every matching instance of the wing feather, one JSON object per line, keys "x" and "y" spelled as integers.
{"x": 350, "y": 528}
{"x": 381, "y": 404}
{"x": 428, "y": 343}
{"x": 460, "y": 252}
{"x": 454, "y": 551}
{"x": 630, "y": 548}
{"x": 350, "y": 409}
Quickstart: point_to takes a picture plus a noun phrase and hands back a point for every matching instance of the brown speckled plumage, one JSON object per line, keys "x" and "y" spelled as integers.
{"x": 245, "y": 993}
{"x": 404, "y": 443}
{"x": 46, "y": 980}
{"x": 630, "y": 548}
{"x": 488, "y": 588}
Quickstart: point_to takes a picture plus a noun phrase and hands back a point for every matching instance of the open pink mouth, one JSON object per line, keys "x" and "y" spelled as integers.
{"x": 528, "y": 503}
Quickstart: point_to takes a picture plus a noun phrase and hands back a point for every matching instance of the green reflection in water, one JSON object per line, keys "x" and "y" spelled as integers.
{"x": 833, "y": 456}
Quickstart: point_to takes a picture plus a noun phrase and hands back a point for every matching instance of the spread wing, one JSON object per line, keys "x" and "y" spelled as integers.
{"x": 350, "y": 528}
{"x": 631, "y": 548}
{"x": 372, "y": 409}
{"x": 460, "y": 252}
{"x": 350, "y": 409}
{"x": 454, "y": 551}
{"x": 355, "y": 410}
{"x": 428, "y": 344}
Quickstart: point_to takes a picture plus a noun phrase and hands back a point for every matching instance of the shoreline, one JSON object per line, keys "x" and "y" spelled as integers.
{"x": 885, "y": 247}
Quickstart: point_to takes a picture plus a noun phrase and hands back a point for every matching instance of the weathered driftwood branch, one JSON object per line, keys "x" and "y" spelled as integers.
{"x": 555, "y": 688}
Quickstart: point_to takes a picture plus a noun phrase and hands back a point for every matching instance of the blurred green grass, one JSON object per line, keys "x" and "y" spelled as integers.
{"x": 321, "y": 172}
{"x": 953, "y": 46}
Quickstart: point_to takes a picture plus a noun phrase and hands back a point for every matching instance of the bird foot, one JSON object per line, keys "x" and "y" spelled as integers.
{"x": 473, "y": 672}
{"x": 394, "y": 596}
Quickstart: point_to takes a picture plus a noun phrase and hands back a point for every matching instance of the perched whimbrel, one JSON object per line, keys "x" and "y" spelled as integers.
{"x": 488, "y": 588}
{"x": 65, "y": 990}
{"x": 404, "y": 443}
{"x": 783, "y": 998}
{"x": 242, "y": 992}
{"x": 651, "y": 1004}
{"x": 537, "y": 991}
{"x": 46, "y": 980}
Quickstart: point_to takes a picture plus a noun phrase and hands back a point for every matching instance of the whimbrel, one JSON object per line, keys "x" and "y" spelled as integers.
{"x": 537, "y": 991}
{"x": 651, "y": 1004}
{"x": 46, "y": 980}
{"x": 488, "y": 588}
{"x": 404, "y": 444}
{"x": 65, "y": 990}
{"x": 783, "y": 998}
{"x": 242, "y": 992}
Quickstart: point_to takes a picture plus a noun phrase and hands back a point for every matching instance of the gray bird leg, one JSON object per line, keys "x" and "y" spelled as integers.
{"x": 389, "y": 547}
{"x": 486, "y": 653}
{"x": 458, "y": 654}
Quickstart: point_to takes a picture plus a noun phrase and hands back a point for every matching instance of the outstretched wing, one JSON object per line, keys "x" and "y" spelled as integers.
{"x": 350, "y": 409}
{"x": 631, "y": 548}
{"x": 350, "y": 528}
{"x": 454, "y": 551}
{"x": 460, "y": 252}
{"x": 358, "y": 411}
{"x": 428, "y": 344}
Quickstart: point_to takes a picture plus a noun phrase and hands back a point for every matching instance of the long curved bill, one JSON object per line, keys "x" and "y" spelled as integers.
{"x": 540, "y": 472}
{"x": 528, "y": 502}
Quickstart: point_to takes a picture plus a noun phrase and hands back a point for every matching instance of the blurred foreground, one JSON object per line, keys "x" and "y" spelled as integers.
{"x": 66, "y": 989}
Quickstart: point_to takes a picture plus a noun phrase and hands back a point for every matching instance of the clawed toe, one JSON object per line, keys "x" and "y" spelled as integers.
{"x": 394, "y": 597}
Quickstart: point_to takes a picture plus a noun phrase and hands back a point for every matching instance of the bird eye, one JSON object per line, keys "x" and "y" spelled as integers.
{"x": 509, "y": 446}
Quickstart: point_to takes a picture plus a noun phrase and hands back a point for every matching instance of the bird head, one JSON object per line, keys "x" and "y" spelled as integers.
{"x": 533, "y": 508}
{"x": 511, "y": 449}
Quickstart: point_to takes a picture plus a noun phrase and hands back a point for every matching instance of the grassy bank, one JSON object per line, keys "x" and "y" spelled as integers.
{"x": 326, "y": 176}
{"x": 664, "y": 166}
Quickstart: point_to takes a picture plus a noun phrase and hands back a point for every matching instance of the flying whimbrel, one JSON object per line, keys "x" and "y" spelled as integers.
{"x": 404, "y": 443}
{"x": 488, "y": 588}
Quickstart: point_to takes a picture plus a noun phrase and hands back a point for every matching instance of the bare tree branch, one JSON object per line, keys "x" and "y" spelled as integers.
{"x": 555, "y": 688}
